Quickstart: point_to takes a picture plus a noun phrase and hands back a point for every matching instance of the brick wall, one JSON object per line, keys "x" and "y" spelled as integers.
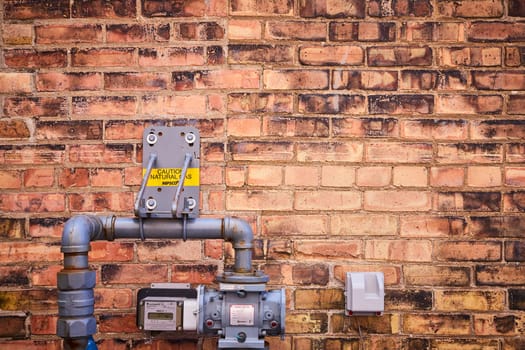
{"x": 380, "y": 135}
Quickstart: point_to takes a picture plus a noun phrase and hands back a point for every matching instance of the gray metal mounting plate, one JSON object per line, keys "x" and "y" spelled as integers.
{"x": 171, "y": 146}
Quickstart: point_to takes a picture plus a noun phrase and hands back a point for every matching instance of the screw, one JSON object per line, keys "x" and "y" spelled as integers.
{"x": 190, "y": 138}
{"x": 151, "y": 204}
{"x": 152, "y": 139}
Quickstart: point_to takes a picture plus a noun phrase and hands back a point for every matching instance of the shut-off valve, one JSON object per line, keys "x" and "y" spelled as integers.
{"x": 241, "y": 312}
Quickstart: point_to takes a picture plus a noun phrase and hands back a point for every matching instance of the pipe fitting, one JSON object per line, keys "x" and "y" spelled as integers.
{"x": 79, "y": 231}
{"x": 76, "y": 327}
{"x": 76, "y": 279}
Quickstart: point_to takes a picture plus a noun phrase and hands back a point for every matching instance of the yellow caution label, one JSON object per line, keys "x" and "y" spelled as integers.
{"x": 171, "y": 176}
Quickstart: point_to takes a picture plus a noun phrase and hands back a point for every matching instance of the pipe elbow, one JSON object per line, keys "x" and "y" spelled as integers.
{"x": 238, "y": 232}
{"x": 79, "y": 231}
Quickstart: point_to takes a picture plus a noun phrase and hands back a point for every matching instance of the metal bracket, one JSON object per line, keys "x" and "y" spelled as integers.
{"x": 171, "y": 161}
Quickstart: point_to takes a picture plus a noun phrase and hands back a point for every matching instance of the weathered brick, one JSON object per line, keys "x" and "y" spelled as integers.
{"x": 469, "y": 153}
{"x": 331, "y": 55}
{"x": 339, "y": 151}
{"x": 104, "y": 105}
{"x": 332, "y": 104}
{"x": 29, "y": 58}
{"x": 363, "y": 225}
{"x": 113, "y": 322}
{"x": 515, "y": 152}
{"x": 13, "y": 327}
{"x": 166, "y": 8}
{"x": 484, "y": 176}
{"x": 432, "y": 226}
{"x": 14, "y": 276}
{"x": 133, "y": 273}
{"x": 399, "y": 152}
{"x": 306, "y": 322}
{"x": 295, "y": 79}
{"x": 243, "y": 54}
{"x": 296, "y": 127}
{"x": 440, "y": 324}
{"x": 260, "y": 102}
{"x": 408, "y": 300}
{"x": 14, "y": 129}
{"x": 179, "y": 56}
{"x": 259, "y": 200}
{"x": 174, "y": 105}
{"x": 32, "y": 202}
{"x": 373, "y": 176}
{"x": 332, "y": 9}
{"x": 68, "y": 34}
{"x": 55, "y": 81}
{"x": 398, "y": 250}
{"x": 261, "y": 150}
{"x": 327, "y": 200}
{"x": 43, "y": 324}
{"x": 136, "y": 33}
{"x": 514, "y": 251}
{"x": 399, "y": 56}
{"x": 258, "y": 7}
{"x": 514, "y": 176}
{"x": 410, "y": 176}
{"x": 514, "y": 201}
{"x": 508, "y": 80}
{"x": 348, "y": 249}
{"x": 468, "y": 251}
{"x": 311, "y": 299}
{"x": 143, "y": 81}
{"x": 31, "y": 9}
{"x": 39, "y": 177}
{"x": 513, "y": 343}
{"x": 239, "y": 29}
{"x": 497, "y": 226}
{"x": 106, "y": 57}
{"x": 294, "y": 225}
{"x": 264, "y": 175}
{"x": 225, "y": 79}
{"x": 195, "y": 273}
{"x": 496, "y": 31}
{"x": 433, "y": 80}
{"x": 471, "y": 9}
{"x": 445, "y": 129}
{"x": 96, "y": 201}
{"x": 436, "y": 275}
{"x": 17, "y": 34}
{"x": 303, "y": 274}
{"x": 337, "y": 176}
{"x": 295, "y": 30}
{"x": 401, "y": 104}
{"x": 447, "y": 176}
{"x": 365, "y": 127}
{"x": 363, "y": 31}
{"x": 495, "y": 325}
{"x": 500, "y": 275}
{"x": 71, "y": 130}
{"x": 470, "y": 56}
{"x": 469, "y": 104}
{"x": 468, "y": 201}
{"x": 365, "y": 80}
{"x": 418, "y": 8}
{"x": 15, "y": 83}
{"x": 35, "y": 106}
{"x": 103, "y": 9}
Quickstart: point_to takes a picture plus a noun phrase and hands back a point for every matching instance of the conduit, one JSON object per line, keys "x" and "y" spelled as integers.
{"x": 76, "y": 322}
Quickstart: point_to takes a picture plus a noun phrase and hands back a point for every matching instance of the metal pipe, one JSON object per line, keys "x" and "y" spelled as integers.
{"x": 76, "y": 281}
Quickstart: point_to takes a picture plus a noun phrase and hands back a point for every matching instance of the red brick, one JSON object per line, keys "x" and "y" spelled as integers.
{"x": 99, "y": 201}
{"x": 436, "y": 275}
{"x": 467, "y": 201}
{"x": 500, "y": 275}
{"x": 10, "y": 179}
{"x": 432, "y": 226}
{"x": 136, "y": 33}
{"x": 245, "y": 54}
{"x": 74, "y": 177}
{"x": 508, "y": 80}
{"x": 331, "y": 55}
{"x": 365, "y": 80}
{"x": 484, "y": 176}
{"x": 33, "y": 344}
{"x": 30, "y": 9}
{"x": 447, "y": 176}
{"x": 28, "y": 58}
{"x": 468, "y": 251}
{"x": 496, "y": 31}
{"x": 35, "y": 106}
{"x": 45, "y": 275}
{"x": 339, "y": 151}
{"x": 174, "y": 105}
{"x": 399, "y": 152}
{"x": 239, "y": 29}
{"x": 264, "y": 175}
{"x": 168, "y": 251}
{"x": 259, "y": 200}
{"x": 337, "y": 176}
{"x": 399, "y": 56}
{"x": 68, "y": 81}
{"x": 420, "y": 8}
{"x": 410, "y": 176}
{"x": 39, "y": 177}
{"x": 295, "y": 30}
{"x": 397, "y": 250}
{"x": 227, "y": 79}
{"x": 13, "y": 252}
{"x": 470, "y": 56}
{"x": 103, "y": 9}
{"x": 244, "y": 126}
{"x": 15, "y": 83}
{"x": 14, "y": 129}
{"x": 440, "y": 324}
{"x": 515, "y": 152}
{"x": 70, "y": 130}
{"x": 179, "y": 56}
{"x": 261, "y": 150}
{"x": 327, "y": 200}
{"x": 332, "y": 104}
{"x": 258, "y": 8}
{"x": 471, "y": 9}
{"x": 516, "y": 104}
{"x": 401, "y": 104}
{"x": 103, "y": 177}
{"x": 144, "y": 81}
{"x": 41, "y": 154}
{"x": 373, "y": 176}
{"x": 114, "y": 322}
{"x": 113, "y": 298}
{"x": 200, "y": 31}
{"x": 294, "y": 225}
{"x": 433, "y": 80}
{"x": 164, "y": 8}
{"x": 397, "y": 200}
{"x": 196, "y": 273}
{"x": 296, "y": 127}
{"x": 104, "y": 105}
{"x": 260, "y": 102}
{"x": 363, "y": 225}
{"x": 110, "y": 57}
{"x": 96, "y": 154}
{"x": 17, "y": 34}
{"x": 14, "y": 276}
{"x": 43, "y": 324}
{"x": 444, "y": 129}
{"x": 133, "y": 273}
{"x": 469, "y": 153}
{"x": 514, "y": 176}
{"x": 348, "y": 249}
{"x": 32, "y": 202}
{"x": 295, "y": 79}
{"x": 332, "y": 9}
{"x": 68, "y": 34}
{"x": 46, "y": 227}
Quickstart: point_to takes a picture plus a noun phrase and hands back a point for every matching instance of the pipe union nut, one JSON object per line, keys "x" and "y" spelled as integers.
{"x": 77, "y": 327}
{"x": 72, "y": 279}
